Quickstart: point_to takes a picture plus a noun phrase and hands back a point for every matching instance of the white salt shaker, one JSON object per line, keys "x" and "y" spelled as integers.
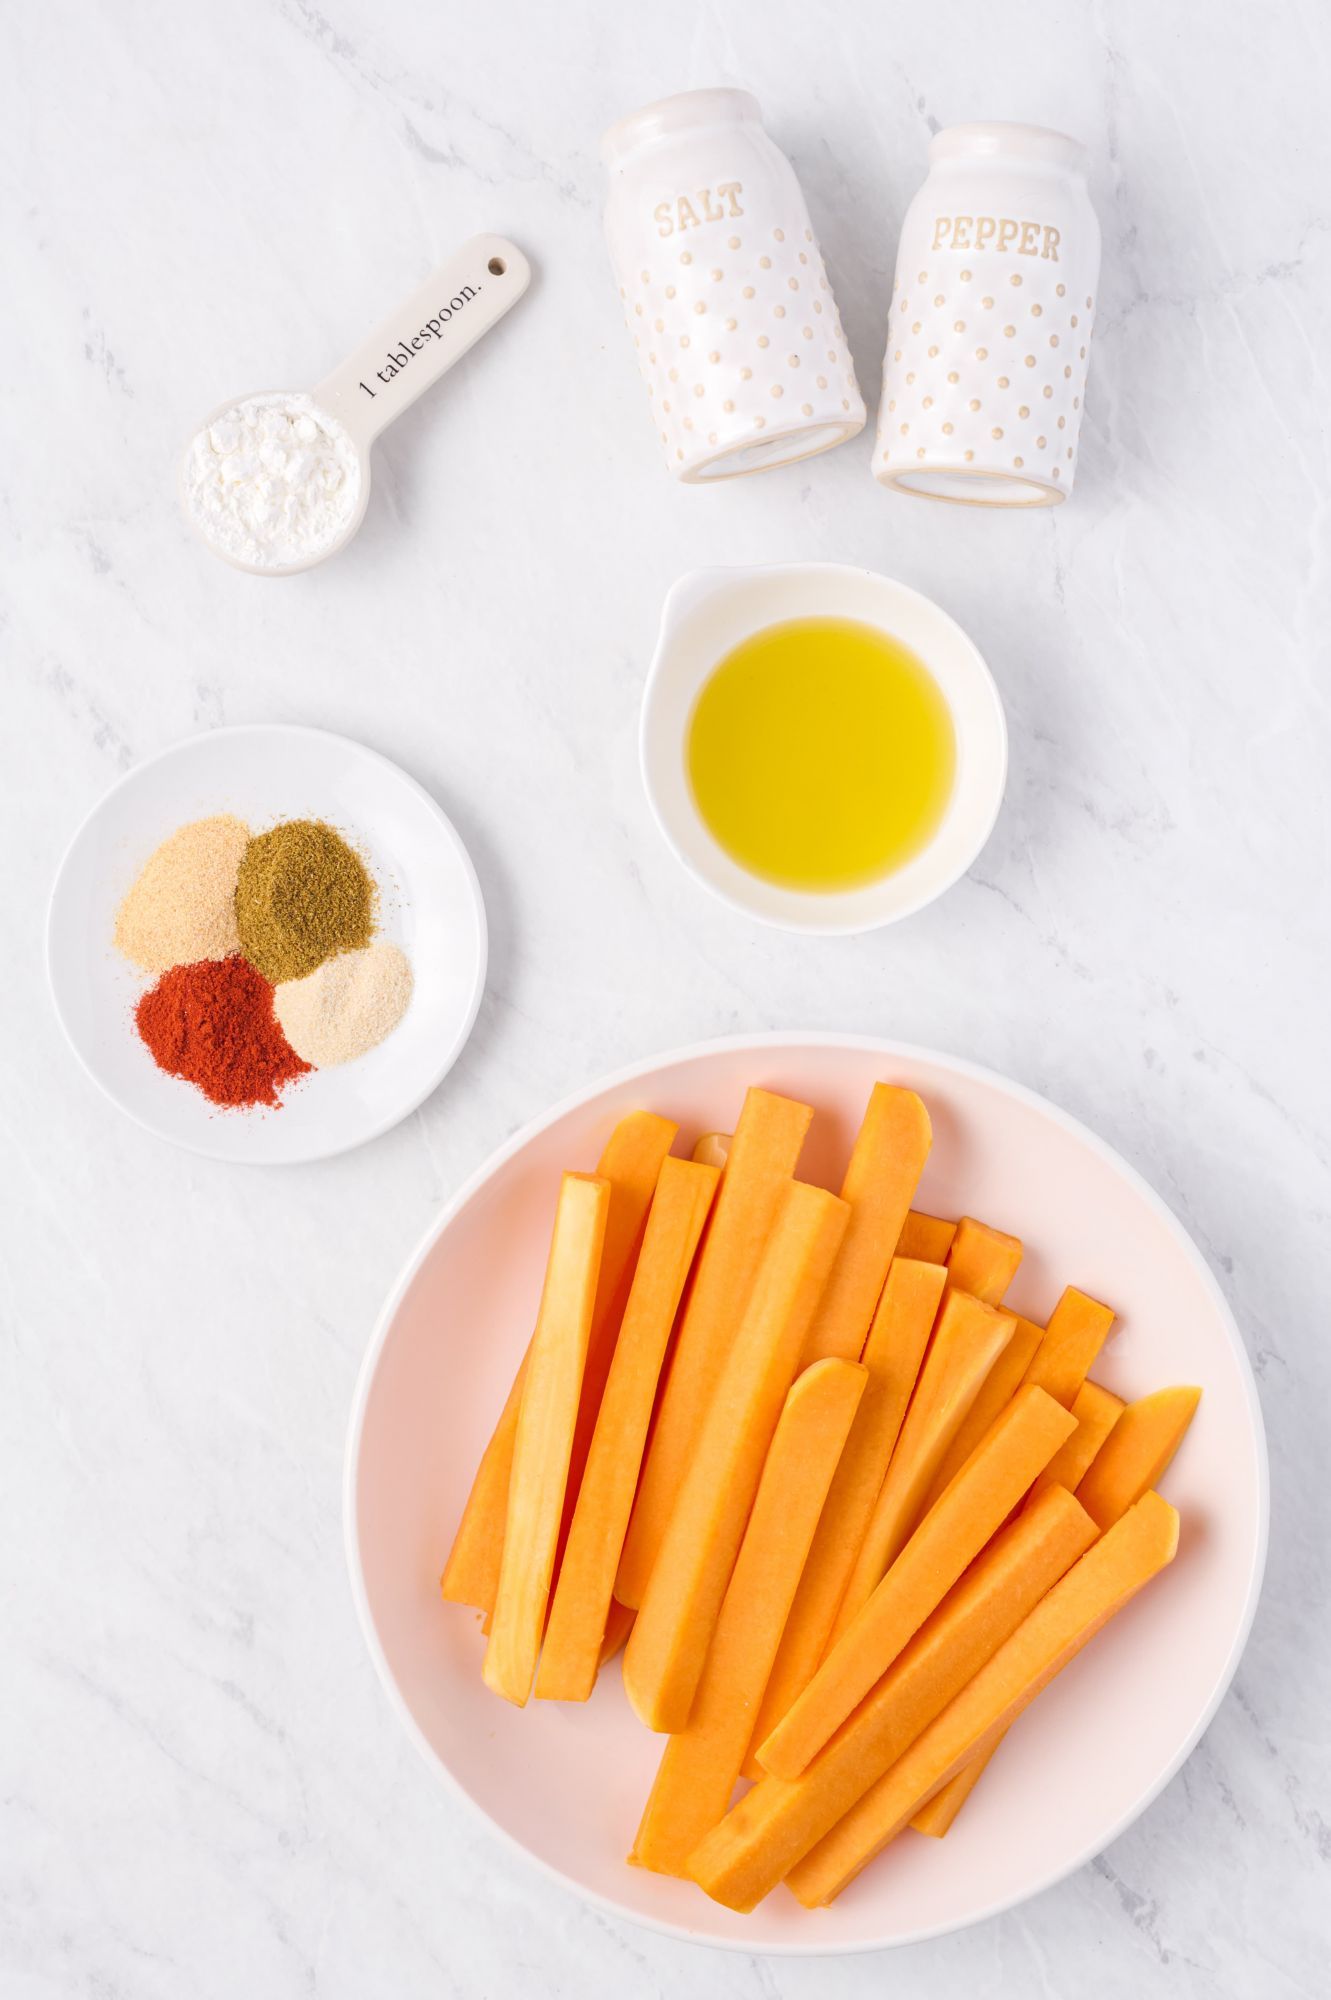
{"x": 725, "y": 295}
{"x": 985, "y": 372}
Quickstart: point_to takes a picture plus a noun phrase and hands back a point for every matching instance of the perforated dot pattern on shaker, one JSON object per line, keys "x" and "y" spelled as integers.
{"x": 987, "y": 366}
{"x": 740, "y": 333}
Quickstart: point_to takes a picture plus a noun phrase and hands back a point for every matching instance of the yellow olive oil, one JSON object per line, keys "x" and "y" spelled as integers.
{"x": 821, "y": 754}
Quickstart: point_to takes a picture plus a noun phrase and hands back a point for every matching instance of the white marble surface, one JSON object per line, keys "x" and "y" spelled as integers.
{"x": 204, "y": 1792}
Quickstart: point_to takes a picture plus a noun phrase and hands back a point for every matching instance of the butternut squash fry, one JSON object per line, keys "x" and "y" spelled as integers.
{"x": 668, "y": 1645}
{"x": 545, "y": 1435}
{"x": 581, "y": 1602}
{"x": 1077, "y": 1330}
{"x": 937, "y": 1814}
{"x": 892, "y": 1356}
{"x": 967, "y": 1341}
{"x": 712, "y": 1149}
{"x": 759, "y": 1164}
{"x": 884, "y": 1169}
{"x": 1111, "y": 1572}
{"x": 1096, "y": 1411}
{"x": 471, "y": 1574}
{"x": 618, "y": 1624}
{"x": 637, "y": 1179}
{"x": 982, "y": 1261}
{"x": 774, "y": 1826}
{"x": 1136, "y": 1452}
{"x": 996, "y": 1391}
{"x": 926, "y": 1239}
{"x": 974, "y": 1507}
{"x": 700, "y": 1765}
{"x": 630, "y": 1162}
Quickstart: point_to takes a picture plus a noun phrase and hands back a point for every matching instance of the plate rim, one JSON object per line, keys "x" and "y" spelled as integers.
{"x": 455, "y": 841}
{"x": 868, "y": 1045}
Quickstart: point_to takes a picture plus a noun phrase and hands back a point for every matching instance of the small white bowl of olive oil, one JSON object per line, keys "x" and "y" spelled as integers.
{"x": 823, "y": 748}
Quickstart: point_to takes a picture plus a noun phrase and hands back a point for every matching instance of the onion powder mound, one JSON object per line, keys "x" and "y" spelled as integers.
{"x": 347, "y": 1006}
{"x": 182, "y": 907}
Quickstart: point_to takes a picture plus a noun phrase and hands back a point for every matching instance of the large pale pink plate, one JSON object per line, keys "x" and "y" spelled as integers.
{"x": 566, "y": 1784}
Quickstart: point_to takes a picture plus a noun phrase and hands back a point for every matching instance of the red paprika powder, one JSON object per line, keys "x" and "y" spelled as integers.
{"x": 213, "y": 1024}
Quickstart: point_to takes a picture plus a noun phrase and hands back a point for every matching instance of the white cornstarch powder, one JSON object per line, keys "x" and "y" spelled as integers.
{"x": 274, "y": 481}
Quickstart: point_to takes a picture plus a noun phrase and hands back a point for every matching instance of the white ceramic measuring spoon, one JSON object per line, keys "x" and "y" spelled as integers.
{"x": 403, "y": 357}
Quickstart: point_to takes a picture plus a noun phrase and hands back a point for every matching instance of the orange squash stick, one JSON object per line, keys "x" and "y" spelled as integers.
{"x": 982, "y": 1261}
{"x": 996, "y": 1391}
{"x": 882, "y": 1175}
{"x": 545, "y": 1435}
{"x": 1077, "y": 1330}
{"x": 967, "y": 1341}
{"x": 630, "y": 1162}
{"x": 775, "y": 1824}
{"x": 1096, "y": 1411}
{"x": 698, "y": 1770}
{"x": 581, "y": 1602}
{"x": 618, "y": 1624}
{"x": 761, "y": 1159}
{"x": 471, "y": 1574}
{"x": 892, "y": 1357}
{"x": 664, "y": 1656}
{"x": 925, "y": 1238}
{"x": 712, "y": 1149}
{"x": 1136, "y": 1452}
{"x": 951, "y": 1535}
{"x": 1111, "y": 1572}
{"x": 937, "y": 1815}
{"x": 624, "y": 1234}
{"x": 1122, "y": 1480}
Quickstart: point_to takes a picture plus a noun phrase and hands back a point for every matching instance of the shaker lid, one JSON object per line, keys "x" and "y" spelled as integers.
{"x": 677, "y": 114}
{"x": 999, "y": 140}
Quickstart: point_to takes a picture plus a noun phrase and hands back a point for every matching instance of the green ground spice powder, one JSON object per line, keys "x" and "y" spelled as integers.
{"x": 302, "y": 894}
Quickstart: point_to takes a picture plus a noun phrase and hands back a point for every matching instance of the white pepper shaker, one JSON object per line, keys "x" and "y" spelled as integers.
{"x": 724, "y": 291}
{"x": 984, "y": 377}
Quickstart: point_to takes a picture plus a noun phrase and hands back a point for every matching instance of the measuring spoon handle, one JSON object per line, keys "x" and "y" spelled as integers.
{"x": 408, "y": 352}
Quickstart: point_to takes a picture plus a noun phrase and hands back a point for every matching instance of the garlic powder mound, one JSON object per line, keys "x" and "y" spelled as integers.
{"x": 182, "y": 908}
{"x": 345, "y": 1007}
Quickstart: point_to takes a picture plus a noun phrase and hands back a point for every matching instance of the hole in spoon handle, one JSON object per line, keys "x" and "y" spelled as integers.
{"x": 421, "y": 339}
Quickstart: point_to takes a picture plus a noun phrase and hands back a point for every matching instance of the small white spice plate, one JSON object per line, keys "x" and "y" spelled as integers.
{"x": 429, "y": 904}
